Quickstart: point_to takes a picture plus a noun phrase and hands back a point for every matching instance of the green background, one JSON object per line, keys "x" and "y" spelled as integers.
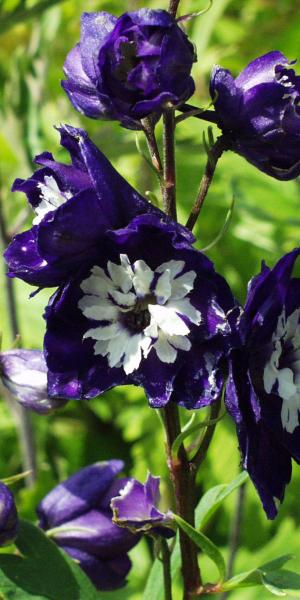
{"x": 265, "y": 223}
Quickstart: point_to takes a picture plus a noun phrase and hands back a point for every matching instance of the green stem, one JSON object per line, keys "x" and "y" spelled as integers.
{"x": 21, "y": 415}
{"x": 169, "y": 191}
{"x": 215, "y": 153}
{"x": 183, "y": 478}
{"x": 166, "y": 568}
{"x": 173, "y": 6}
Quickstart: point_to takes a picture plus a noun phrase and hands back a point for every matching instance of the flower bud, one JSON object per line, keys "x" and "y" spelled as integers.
{"x": 8, "y": 516}
{"x": 24, "y": 374}
{"x": 259, "y": 113}
{"x": 77, "y": 516}
{"x": 128, "y": 67}
{"x": 136, "y": 508}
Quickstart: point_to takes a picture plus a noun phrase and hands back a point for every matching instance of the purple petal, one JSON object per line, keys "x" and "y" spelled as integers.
{"x": 106, "y": 575}
{"x": 261, "y": 70}
{"x": 78, "y": 494}
{"x": 95, "y": 27}
{"x": 24, "y": 373}
{"x": 9, "y": 523}
{"x": 95, "y": 533}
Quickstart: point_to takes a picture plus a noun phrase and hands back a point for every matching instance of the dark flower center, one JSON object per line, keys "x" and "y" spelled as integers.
{"x": 139, "y": 317}
{"x": 129, "y": 60}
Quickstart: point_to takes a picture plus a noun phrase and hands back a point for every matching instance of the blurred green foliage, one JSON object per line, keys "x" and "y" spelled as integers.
{"x": 265, "y": 224}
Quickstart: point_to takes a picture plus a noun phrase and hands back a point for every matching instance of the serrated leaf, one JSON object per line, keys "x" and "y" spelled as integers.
{"x": 211, "y": 501}
{"x": 205, "y": 544}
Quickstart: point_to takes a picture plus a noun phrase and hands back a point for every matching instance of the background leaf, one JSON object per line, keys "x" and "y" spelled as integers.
{"x": 43, "y": 571}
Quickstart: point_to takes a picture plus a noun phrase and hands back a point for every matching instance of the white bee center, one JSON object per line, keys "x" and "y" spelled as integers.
{"x": 51, "y": 198}
{"x": 138, "y": 310}
{"x": 282, "y": 371}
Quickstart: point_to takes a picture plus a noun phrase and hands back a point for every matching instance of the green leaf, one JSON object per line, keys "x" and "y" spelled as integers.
{"x": 44, "y": 571}
{"x": 245, "y": 579}
{"x": 206, "y": 545}
{"x": 213, "y": 498}
{"x": 224, "y": 228}
{"x": 277, "y": 563}
{"x": 282, "y": 583}
{"x": 258, "y": 576}
{"x": 155, "y": 584}
{"x": 15, "y": 478}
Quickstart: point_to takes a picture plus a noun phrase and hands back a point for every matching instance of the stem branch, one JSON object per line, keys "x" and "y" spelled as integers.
{"x": 194, "y": 111}
{"x": 152, "y": 145}
{"x": 215, "y": 153}
{"x": 200, "y": 455}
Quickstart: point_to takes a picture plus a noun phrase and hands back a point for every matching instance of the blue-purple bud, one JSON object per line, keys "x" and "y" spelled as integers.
{"x": 79, "y": 516}
{"x": 136, "y": 508}
{"x": 128, "y": 67}
{"x": 24, "y": 374}
{"x": 259, "y": 113}
{"x": 8, "y": 516}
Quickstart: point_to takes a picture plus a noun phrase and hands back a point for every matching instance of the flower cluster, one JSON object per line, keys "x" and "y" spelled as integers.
{"x": 134, "y": 295}
{"x": 263, "y": 392}
{"x": 135, "y": 302}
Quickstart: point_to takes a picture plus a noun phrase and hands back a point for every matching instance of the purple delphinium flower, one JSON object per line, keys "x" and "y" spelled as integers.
{"x": 128, "y": 67}
{"x": 263, "y": 392}
{"x": 259, "y": 113}
{"x": 24, "y": 374}
{"x": 8, "y": 516}
{"x": 79, "y": 516}
{"x": 133, "y": 316}
{"x": 74, "y": 205}
{"x": 136, "y": 508}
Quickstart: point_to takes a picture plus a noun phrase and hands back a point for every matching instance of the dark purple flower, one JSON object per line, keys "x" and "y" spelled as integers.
{"x": 136, "y": 508}
{"x": 128, "y": 67}
{"x": 8, "y": 516}
{"x": 79, "y": 516}
{"x": 24, "y": 374}
{"x": 134, "y": 314}
{"x": 259, "y": 113}
{"x": 74, "y": 205}
{"x": 263, "y": 392}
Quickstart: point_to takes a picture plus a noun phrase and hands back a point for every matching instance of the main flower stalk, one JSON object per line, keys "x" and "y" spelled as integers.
{"x": 183, "y": 478}
{"x": 182, "y": 475}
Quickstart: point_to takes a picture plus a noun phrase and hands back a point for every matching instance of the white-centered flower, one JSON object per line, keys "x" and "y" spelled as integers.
{"x": 283, "y": 368}
{"x": 51, "y": 198}
{"x": 138, "y": 310}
